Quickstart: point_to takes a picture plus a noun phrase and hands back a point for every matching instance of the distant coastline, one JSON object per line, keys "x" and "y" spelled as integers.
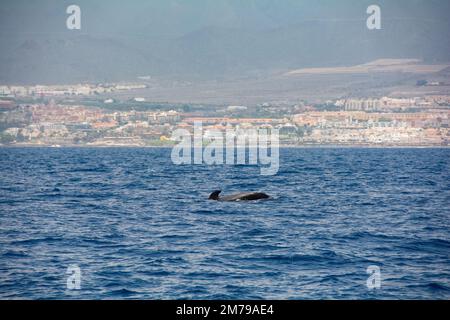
{"x": 306, "y": 146}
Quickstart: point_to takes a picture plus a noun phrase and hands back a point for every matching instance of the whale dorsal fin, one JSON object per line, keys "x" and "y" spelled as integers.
{"x": 215, "y": 195}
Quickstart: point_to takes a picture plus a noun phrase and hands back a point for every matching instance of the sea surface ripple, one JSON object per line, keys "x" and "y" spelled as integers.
{"x": 140, "y": 227}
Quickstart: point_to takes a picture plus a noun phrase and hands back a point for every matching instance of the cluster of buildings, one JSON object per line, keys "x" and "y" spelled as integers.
{"x": 373, "y": 122}
{"x": 360, "y": 127}
{"x": 51, "y": 124}
{"x": 392, "y": 104}
{"x": 65, "y": 90}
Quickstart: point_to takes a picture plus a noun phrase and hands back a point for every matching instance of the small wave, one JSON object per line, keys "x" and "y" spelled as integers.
{"x": 438, "y": 286}
{"x": 295, "y": 258}
{"x": 35, "y": 241}
{"x": 123, "y": 293}
{"x": 367, "y": 235}
{"x": 15, "y": 254}
{"x": 432, "y": 286}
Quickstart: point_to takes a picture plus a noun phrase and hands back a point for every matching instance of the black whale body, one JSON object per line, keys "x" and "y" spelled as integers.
{"x": 245, "y": 196}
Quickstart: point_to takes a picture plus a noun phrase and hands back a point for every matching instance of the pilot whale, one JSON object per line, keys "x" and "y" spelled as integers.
{"x": 245, "y": 196}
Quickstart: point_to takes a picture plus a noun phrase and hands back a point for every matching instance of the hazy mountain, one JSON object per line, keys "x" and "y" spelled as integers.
{"x": 200, "y": 39}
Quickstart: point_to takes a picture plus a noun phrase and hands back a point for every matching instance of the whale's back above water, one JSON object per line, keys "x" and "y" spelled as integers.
{"x": 244, "y": 196}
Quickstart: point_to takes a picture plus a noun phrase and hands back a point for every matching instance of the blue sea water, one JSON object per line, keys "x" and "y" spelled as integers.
{"x": 140, "y": 227}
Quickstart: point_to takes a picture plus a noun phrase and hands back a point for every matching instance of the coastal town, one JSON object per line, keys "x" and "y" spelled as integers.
{"x": 85, "y": 115}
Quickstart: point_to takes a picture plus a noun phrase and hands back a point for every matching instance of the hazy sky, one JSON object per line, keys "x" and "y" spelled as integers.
{"x": 212, "y": 37}
{"x": 177, "y": 17}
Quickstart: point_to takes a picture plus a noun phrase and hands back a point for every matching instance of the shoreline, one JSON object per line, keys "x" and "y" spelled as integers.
{"x": 316, "y": 146}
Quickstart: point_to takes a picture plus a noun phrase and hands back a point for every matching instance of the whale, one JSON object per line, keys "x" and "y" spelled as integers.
{"x": 244, "y": 196}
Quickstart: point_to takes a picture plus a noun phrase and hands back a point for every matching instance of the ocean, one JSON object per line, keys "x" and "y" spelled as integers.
{"x": 136, "y": 226}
